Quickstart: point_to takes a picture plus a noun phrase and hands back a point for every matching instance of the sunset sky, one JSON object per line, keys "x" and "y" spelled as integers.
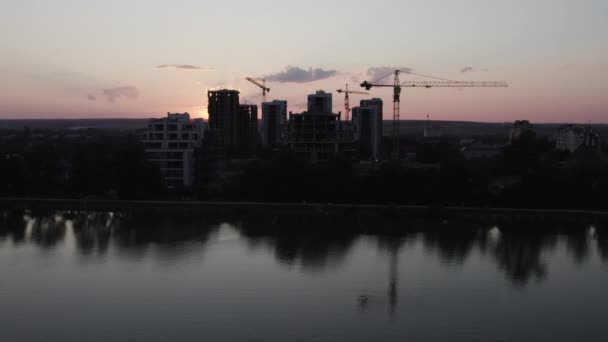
{"x": 75, "y": 58}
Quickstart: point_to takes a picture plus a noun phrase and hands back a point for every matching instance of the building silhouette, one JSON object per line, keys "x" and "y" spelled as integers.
{"x": 365, "y": 132}
{"x": 274, "y": 123}
{"x": 375, "y": 102}
{"x": 431, "y": 131}
{"x": 519, "y": 128}
{"x": 320, "y": 102}
{"x": 172, "y": 143}
{"x": 318, "y": 134}
{"x": 232, "y": 126}
{"x": 223, "y": 108}
{"x": 247, "y": 133}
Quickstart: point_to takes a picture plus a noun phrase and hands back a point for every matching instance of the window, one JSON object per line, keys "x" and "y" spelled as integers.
{"x": 175, "y": 164}
{"x": 174, "y": 173}
{"x": 155, "y": 155}
{"x": 153, "y": 145}
{"x": 175, "y": 155}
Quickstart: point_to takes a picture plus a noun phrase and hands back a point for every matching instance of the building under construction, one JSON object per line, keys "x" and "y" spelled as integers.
{"x": 379, "y": 105}
{"x": 317, "y": 134}
{"x": 365, "y": 132}
{"x": 247, "y": 134}
{"x": 320, "y": 102}
{"x": 232, "y": 127}
{"x": 274, "y": 123}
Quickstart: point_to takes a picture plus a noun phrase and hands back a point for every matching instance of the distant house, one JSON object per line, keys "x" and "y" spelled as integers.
{"x": 170, "y": 143}
{"x": 519, "y": 128}
{"x": 571, "y": 137}
{"x": 431, "y": 131}
{"x": 480, "y": 150}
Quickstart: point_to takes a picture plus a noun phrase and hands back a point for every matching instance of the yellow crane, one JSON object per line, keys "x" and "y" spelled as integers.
{"x": 262, "y": 85}
{"x": 347, "y": 99}
{"x": 397, "y": 85}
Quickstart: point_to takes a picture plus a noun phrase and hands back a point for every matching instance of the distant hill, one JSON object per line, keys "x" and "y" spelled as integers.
{"x": 406, "y": 127}
{"x": 75, "y": 124}
{"x": 469, "y": 128}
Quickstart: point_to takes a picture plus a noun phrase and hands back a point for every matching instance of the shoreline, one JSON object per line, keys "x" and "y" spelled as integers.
{"x": 435, "y": 212}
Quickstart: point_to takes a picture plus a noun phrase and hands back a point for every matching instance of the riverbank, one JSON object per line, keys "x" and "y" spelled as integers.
{"x": 352, "y": 211}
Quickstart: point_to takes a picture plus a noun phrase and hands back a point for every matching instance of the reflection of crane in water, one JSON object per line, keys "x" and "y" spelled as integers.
{"x": 393, "y": 247}
{"x": 392, "y": 281}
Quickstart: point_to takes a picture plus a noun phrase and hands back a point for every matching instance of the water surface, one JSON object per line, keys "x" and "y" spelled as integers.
{"x": 113, "y": 277}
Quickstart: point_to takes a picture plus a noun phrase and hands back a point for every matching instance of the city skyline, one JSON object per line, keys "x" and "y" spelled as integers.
{"x": 69, "y": 59}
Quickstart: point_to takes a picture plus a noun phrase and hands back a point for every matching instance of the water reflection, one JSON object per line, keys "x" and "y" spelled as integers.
{"x": 92, "y": 232}
{"x": 518, "y": 252}
{"x": 519, "y": 255}
{"x": 12, "y": 226}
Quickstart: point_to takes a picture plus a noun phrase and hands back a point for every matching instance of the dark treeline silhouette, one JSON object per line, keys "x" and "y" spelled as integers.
{"x": 526, "y": 174}
{"x": 97, "y": 165}
{"x": 518, "y": 251}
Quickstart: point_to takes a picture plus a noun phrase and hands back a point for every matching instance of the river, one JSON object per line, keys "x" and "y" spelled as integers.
{"x": 100, "y": 276}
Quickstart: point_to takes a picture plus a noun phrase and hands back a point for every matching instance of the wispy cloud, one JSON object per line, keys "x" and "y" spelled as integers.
{"x": 293, "y": 74}
{"x": 182, "y": 67}
{"x": 378, "y": 73}
{"x": 91, "y": 97}
{"x": 466, "y": 69}
{"x": 128, "y": 92}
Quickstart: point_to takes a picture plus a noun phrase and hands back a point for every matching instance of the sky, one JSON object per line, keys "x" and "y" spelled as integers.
{"x": 129, "y": 59}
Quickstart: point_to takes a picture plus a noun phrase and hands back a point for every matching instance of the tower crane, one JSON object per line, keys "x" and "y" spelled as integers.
{"x": 397, "y": 85}
{"x": 262, "y": 85}
{"x": 347, "y": 99}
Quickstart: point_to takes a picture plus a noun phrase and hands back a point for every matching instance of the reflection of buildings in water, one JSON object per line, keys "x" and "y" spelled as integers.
{"x": 393, "y": 245}
{"x": 45, "y": 231}
{"x": 312, "y": 251}
{"x": 93, "y": 231}
{"x": 12, "y": 226}
{"x": 519, "y": 255}
{"x": 601, "y": 237}
{"x": 517, "y": 251}
{"x": 392, "y": 287}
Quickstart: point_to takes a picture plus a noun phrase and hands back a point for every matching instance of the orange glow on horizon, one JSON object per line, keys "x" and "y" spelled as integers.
{"x": 201, "y": 113}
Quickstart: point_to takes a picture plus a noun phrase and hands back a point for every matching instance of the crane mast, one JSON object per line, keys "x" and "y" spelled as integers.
{"x": 347, "y": 100}
{"x": 397, "y": 85}
{"x": 396, "y": 109}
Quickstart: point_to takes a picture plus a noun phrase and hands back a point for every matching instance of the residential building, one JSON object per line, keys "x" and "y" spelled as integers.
{"x": 274, "y": 123}
{"x": 319, "y": 136}
{"x": 320, "y": 102}
{"x": 233, "y": 128}
{"x": 223, "y": 108}
{"x": 571, "y": 137}
{"x": 480, "y": 150}
{"x": 247, "y": 129}
{"x": 519, "y": 128}
{"x": 376, "y": 102}
{"x": 171, "y": 144}
{"x": 431, "y": 131}
{"x": 365, "y": 132}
